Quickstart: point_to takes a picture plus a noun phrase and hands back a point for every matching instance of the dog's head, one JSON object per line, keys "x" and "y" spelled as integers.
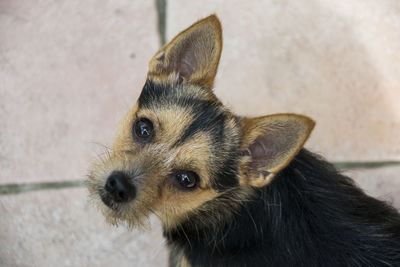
{"x": 179, "y": 151}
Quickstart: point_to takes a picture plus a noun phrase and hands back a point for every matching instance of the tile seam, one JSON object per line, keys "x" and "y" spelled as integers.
{"x": 161, "y": 16}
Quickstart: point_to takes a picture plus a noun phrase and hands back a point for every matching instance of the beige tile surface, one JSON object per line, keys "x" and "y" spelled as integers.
{"x": 336, "y": 61}
{"x": 60, "y": 228}
{"x": 68, "y": 72}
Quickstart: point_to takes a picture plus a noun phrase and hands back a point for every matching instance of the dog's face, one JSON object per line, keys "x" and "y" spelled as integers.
{"x": 179, "y": 150}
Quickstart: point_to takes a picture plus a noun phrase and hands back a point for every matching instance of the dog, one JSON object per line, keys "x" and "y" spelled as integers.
{"x": 231, "y": 190}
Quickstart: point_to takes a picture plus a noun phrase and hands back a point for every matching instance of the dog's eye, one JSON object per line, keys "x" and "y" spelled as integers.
{"x": 143, "y": 129}
{"x": 187, "y": 179}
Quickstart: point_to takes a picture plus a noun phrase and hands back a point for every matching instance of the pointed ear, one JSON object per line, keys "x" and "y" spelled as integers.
{"x": 192, "y": 56}
{"x": 269, "y": 143}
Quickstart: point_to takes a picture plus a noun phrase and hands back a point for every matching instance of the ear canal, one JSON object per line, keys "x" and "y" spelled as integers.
{"x": 270, "y": 143}
{"x": 192, "y": 56}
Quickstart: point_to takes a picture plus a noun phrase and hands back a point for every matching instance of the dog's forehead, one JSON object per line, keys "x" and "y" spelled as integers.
{"x": 191, "y": 107}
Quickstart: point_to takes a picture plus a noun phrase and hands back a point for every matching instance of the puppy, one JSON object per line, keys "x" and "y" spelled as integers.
{"x": 232, "y": 190}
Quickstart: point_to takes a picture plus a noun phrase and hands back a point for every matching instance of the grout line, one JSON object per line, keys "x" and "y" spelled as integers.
{"x": 162, "y": 14}
{"x": 8, "y": 189}
{"x": 20, "y": 188}
{"x": 347, "y": 165}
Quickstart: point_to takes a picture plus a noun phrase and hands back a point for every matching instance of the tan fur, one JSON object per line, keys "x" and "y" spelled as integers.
{"x": 194, "y": 155}
{"x": 184, "y": 262}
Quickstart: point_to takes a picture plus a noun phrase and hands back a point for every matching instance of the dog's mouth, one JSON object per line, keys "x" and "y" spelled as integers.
{"x": 107, "y": 200}
{"x": 110, "y": 202}
{"x": 132, "y": 213}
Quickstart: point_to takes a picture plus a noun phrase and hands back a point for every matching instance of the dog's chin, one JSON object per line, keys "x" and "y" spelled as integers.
{"x": 112, "y": 212}
{"x": 122, "y": 214}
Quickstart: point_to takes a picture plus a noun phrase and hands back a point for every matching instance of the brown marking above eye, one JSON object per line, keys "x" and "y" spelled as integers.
{"x": 143, "y": 129}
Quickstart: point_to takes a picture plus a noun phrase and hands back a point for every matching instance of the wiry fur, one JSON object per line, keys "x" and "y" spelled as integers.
{"x": 260, "y": 200}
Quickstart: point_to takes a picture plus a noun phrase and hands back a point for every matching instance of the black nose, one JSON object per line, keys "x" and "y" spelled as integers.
{"x": 119, "y": 187}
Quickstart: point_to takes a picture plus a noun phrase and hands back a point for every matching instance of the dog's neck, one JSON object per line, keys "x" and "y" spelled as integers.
{"x": 308, "y": 207}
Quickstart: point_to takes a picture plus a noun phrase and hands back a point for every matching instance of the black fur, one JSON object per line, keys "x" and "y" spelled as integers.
{"x": 226, "y": 175}
{"x": 152, "y": 93}
{"x": 208, "y": 117}
{"x": 310, "y": 215}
